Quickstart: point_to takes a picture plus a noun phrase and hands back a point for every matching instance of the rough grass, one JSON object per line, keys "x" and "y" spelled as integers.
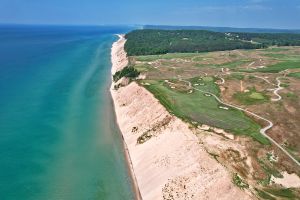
{"x": 276, "y": 49}
{"x": 280, "y": 67}
{"x": 197, "y": 107}
{"x": 167, "y": 56}
{"x": 269, "y": 171}
{"x": 237, "y": 76}
{"x": 234, "y": 64}
{"x": 273, "y": 55}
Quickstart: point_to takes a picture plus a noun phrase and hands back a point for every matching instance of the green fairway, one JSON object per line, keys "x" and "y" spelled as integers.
{"x": 251, "y": 97}
{"x": 256, "y": 95}
{"x": 204, "y": 109}
{"x": 206, "y": 84}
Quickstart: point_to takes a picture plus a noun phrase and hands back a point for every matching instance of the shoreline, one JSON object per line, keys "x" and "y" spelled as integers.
{"x": 172, "y": 164}
{"x": 137, "y": 193}
{"x": 130, "y": 169}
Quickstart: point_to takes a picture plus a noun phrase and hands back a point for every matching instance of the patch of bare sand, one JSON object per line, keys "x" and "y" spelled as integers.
{"x": 172, "y": 164}
{"x": 119, "y": 56}
{"x": 288, "y": 180}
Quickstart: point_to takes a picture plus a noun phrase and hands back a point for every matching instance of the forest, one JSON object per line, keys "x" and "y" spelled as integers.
{"x": 153, "y": 42}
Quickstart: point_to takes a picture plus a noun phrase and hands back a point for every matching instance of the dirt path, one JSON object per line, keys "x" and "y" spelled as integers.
{"x": 277, "y": 90}
{"x": 250, "y": 65}
{"x": 262, "y": 131}
{"x": 223, "y": 80}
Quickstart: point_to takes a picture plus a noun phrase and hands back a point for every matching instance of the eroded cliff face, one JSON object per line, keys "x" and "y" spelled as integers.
{"x": 167, "y": 158}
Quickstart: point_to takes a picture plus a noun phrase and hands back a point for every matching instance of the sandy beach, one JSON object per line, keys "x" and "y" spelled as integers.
{"x": 172, "y": 164}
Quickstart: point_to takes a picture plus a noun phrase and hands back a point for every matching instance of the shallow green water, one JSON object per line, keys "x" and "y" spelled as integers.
{"x": 58, "y": 136}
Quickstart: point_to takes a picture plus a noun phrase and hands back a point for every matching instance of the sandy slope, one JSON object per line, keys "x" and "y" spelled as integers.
{"x": 172, "y": 164}
{"x": 118, "y": 55}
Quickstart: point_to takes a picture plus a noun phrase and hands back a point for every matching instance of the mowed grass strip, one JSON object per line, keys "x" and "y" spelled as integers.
{"x": 198, "y": 107}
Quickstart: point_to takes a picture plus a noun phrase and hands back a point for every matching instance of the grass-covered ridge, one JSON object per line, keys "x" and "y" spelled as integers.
{"x": 129, "y": 72}
{"x": 153, "y": 42}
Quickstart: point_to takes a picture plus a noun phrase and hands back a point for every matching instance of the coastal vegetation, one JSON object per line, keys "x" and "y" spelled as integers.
{"x": 230, "y": 98}
{"x": 264, "y": 195}
{"x": 238, "y": 181}
{"x": 152, "y": 42}
{"x": 230, "y": 92}
{"x": 129, "y": 72}
{"x": 196, "y": 107}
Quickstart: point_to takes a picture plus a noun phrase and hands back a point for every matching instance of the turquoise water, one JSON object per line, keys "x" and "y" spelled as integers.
{"x": 58, "y": 137}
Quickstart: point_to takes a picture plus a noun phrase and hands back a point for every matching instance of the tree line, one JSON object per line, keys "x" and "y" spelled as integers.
{"x": 152, "y": 42}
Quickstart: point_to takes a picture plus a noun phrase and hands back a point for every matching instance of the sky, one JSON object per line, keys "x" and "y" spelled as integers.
{"x": 225, "y": 13}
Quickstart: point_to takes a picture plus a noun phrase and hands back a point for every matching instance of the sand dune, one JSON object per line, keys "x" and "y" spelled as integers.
{"x": 172, "y": 164}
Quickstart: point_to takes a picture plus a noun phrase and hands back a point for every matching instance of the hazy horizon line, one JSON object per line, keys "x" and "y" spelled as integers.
{"x": 163, "y": 25}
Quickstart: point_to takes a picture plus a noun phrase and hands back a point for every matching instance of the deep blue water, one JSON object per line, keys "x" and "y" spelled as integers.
{"x": 58, "y": 136}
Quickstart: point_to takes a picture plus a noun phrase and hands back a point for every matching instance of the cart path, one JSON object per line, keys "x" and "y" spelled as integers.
{"x": 262, "y": 131}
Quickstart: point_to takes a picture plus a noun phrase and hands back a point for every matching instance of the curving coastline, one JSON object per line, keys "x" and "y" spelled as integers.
{"x": 119, "y": 61}
{"x": 172, "y": 164}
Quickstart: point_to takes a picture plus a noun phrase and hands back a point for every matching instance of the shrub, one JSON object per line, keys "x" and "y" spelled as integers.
{"x": 129, "y": 72}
